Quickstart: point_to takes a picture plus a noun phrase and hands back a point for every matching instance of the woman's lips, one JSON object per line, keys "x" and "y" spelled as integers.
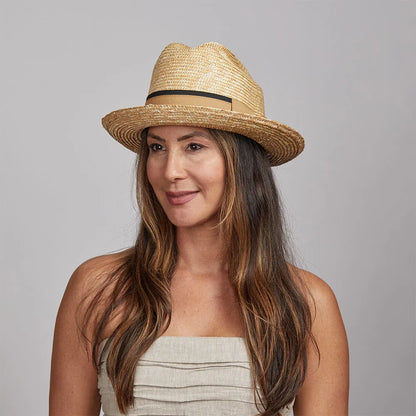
{"x": 179, "y": 198}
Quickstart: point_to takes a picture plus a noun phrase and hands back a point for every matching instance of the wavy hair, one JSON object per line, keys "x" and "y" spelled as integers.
{"x": 272, "y": 297}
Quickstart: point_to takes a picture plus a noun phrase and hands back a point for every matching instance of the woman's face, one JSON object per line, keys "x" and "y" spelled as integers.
{"x": 186, "y": 170}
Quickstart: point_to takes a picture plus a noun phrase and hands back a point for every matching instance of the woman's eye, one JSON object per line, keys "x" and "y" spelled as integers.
{"x": 195, "y": 146}
{"x": 153, "y": 147}
{"x": 156, "y": 147}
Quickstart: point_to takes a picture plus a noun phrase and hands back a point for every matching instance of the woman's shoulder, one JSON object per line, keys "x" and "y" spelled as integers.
{"x": 332, "y": 360}
{"x": 90, "y": 273}
{"x": 321, "y": 292}
{"x": 102, "y": 262}
{"x": 89, "y": 279}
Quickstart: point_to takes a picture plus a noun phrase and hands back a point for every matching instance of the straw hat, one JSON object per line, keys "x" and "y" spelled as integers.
{"x": 205, "y": 86}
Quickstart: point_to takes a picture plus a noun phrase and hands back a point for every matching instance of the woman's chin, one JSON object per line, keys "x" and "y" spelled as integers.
{"x": 187, "y": 224}
{"x": 193, "y": 222}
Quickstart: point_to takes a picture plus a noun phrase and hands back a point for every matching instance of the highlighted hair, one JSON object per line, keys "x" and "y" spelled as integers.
{"x": 273, "y": 299}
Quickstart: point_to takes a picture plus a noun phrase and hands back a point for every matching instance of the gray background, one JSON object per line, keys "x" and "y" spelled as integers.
{"x": 342, "y": 73}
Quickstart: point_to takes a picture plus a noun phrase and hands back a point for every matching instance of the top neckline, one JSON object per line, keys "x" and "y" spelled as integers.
{"x": 190, "y": 340}
{"x": 193, "y": 349}
{"x": 187, "y": 337}
{"x": 174, "y": 336}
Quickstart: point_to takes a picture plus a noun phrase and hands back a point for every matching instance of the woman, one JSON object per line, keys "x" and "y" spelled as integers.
{"x": 205, "y": 314}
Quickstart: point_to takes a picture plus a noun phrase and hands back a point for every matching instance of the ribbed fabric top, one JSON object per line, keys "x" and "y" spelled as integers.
{"x": 198, "y": 376}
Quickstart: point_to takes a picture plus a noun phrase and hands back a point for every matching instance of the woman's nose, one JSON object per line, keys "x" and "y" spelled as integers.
{"x": 174, "y": 168}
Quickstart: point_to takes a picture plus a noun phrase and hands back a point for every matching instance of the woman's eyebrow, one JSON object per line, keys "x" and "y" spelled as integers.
{"x": 186, "y": 136}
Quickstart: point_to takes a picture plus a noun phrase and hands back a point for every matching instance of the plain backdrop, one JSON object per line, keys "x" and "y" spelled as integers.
{"x": 342, "y": 73}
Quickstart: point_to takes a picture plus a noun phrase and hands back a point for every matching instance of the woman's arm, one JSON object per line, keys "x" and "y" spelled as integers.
{"x": 326, "y": 387}
{"x": 73, "y": 383}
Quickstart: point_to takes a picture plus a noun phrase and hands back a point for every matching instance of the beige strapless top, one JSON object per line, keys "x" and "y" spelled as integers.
{"x": 198, "y": 376}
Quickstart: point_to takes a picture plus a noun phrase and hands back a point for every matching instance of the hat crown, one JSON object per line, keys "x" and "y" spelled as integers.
{"x": 210, "y": 68}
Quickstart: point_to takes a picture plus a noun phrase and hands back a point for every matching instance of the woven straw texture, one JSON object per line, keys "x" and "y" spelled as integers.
{"x": 208, "y": 68}
{"x": 219, "y": 72}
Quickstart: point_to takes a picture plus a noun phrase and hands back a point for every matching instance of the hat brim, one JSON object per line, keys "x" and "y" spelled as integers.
{"x": 280, "y": 141}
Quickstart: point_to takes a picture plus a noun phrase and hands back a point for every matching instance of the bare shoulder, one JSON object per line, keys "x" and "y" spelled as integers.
{"x": 84, "y": 284}
{"x": 323, "y": 297}
{"x": 88, "y": 276}
{"x": 326, "y": 387}
{"x": 88, "y": 273}
{"x": 73, "y": 383}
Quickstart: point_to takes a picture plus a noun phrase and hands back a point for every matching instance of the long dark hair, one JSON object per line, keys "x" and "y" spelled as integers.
{"x": 273, "y": 298}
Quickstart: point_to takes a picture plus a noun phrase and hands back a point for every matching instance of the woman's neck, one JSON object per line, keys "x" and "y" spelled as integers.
{"x": 200, "y": 251}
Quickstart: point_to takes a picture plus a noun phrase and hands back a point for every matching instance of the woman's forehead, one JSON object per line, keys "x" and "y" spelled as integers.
{"x": 177, "y": 132}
